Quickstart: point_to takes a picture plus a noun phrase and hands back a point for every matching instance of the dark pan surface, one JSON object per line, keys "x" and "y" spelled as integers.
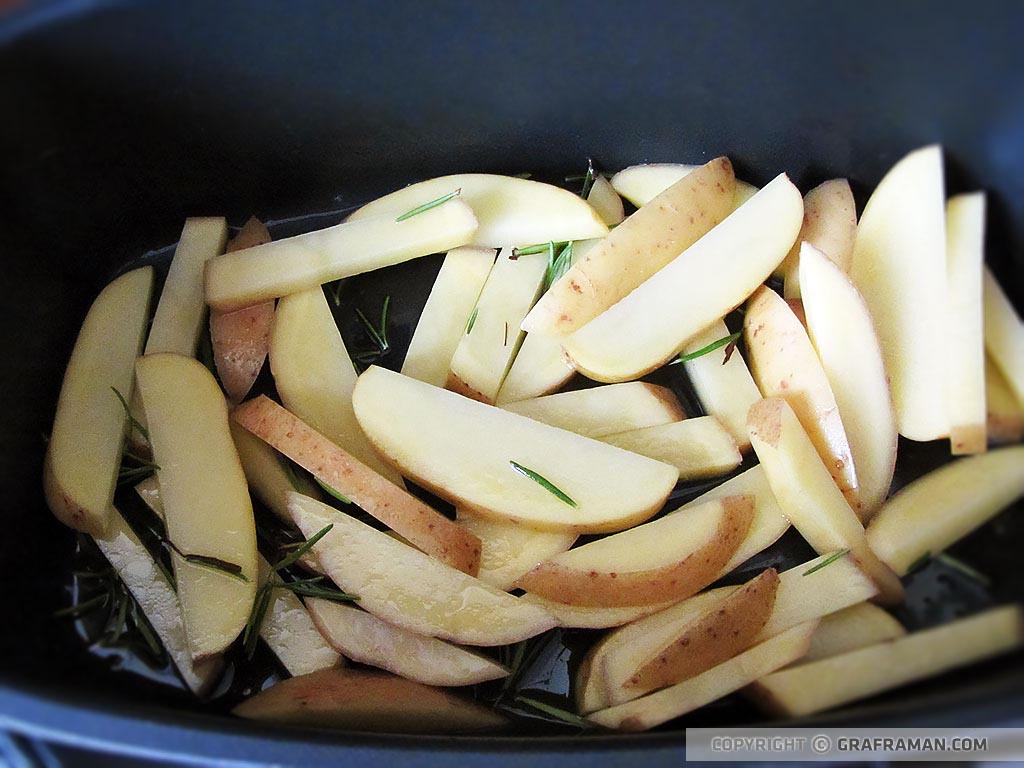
{"x": 123, "y": 119}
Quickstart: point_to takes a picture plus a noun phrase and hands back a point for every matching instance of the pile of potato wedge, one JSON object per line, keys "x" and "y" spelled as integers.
{"x": 843, "y": 335}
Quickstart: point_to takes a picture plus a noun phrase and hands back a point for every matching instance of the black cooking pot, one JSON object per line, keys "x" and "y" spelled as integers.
{"x": 121, "y": 119}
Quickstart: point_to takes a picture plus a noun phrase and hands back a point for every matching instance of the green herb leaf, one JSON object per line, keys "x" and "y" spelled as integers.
{"x": 132, "y": 421}
{"x": 722, "y": 342}
{"x": 233, "y": 570}
{"x": 252, "y": 627}
{"x": 558, "y": 714}
{"x": 322, "y": 592}
{"x": 472, "y": 320}
{"x": 331, "y": 492}
{"x": 826, "y": 562}
{"x": 302, "y": 549}
{"x": 529, "y": 250}
{"x": 968, "y": 570}
{"x": 588, "y": 179}
{"x": 544, "y": 483}
{"x": 557, "y": 266}
{"x": 427, "y": 206}
{"x": 378, "y": 336}
{"x": 85, "y": 607}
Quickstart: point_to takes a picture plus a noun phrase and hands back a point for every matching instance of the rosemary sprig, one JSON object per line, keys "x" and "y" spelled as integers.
{"x": 725, "y": 341}
{"x": 968, "y": 570}
{"x": 556, "y": 713}
{"x": 132, "y": 421}
{"x": 301, "y": 549}
{"x": 331, "y": 492}
{"x": 826, "y": 562}
{"x": 472, "y": 320}
{"x": 81, "y": 609}
{"x": 427, "y": 206}
{"x": 233, "y": 570}
{"x": 588, "y": 179}
{"x": 378, "y": 336}
{"x": 544, "y": 483}
{"x": 557, "y": 266}
{"x": 530, "y": 250}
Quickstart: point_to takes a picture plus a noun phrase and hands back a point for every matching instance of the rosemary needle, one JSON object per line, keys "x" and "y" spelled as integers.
{"x": 427, "y": 206}
{"x": 826, "y": 562}
{"x": 722, "y": 342}
{"x": 544, "y": 483}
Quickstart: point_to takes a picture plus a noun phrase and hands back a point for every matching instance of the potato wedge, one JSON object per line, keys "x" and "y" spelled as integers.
{"x": 1004, "y": 334}
{"x": 855, "y": 627}
{"x": 363, "y": 637}
{"x": 158, "y": 601}
{"x": 410, "y": 589}
{"x": 295, "y": 264}
{"x": 784, "y": 364}
{"x": 1004, "y": 415}
{"x": 180, "y": 311}
{"x": 722, "y": 382}
{"x": 728, "y": 677}
{"x": 205, "y": 497}
{"x": 699, "y": 448}
{"x": 606, "y": 201}
{"x": 601, "y": 411}
{"x": 509, "y": 550}
{"x": 945, "y": 505}
{"x": 803, "y": 593}
{"x": 360, "y": 700}
{"x": 315, "y": 376}
{"x": 832, "y": 682}
{"x": 899, "y": 267}
{"x": 704, "y": 283}
{"x": 635, "y": 250}
{"x": 965, "y": 342}
{"x": 539, "y": 369}
{"x": 443, "y": 322}
{"x": 768, "y": 524}
{"x": 642, "y": 183}
{"x": 267, "y": 474}
{"x": 668, "y": 559}
{"x": 422, "y": 525}
{"x": 593, "y": 617}
{"x": 492, "y": 337}
{"x": 808, "y": 496}
{"x": 512, "y": 212}
{"x": 844, "y": 337}
{"x": 241, "y": 339}
{"x": 712, "y": 639}
{"x": 830, "y": 226}
{"x": 84, "y": 451}
{"x": 462, "y": 450}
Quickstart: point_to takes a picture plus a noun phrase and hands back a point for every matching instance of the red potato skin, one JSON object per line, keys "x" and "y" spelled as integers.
{"x": 241, "y": 339}
{"x": 421, "y": 525}
{"x": 677, "y": 581}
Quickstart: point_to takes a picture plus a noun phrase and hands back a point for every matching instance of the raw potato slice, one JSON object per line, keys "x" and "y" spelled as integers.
{"x": 492, "y": 337}
{"x": 635, "y": 250}
{"x": 205, "y": 497}
{"x": 179, "y": 314}
{"x": 830, "y": 226}
{"x": 409, "y": 589}
{"x": 158, "y": 601}
{"x": 668, "y": 559}
{"x": 803, "y": 594}
{"x": 315, "y": 376}
{"x": 832, "y": 682}
{"x": 699, "y": 448}
{"x": 509, "y": 550}
{"x": 945, "y": 505}
{"x": 1005, "y": 416}
{"x": 642, "y": 183}
{"x": 722, "y": 382}
{"x": 442, "y": 323}
{"x": 512, "y": 212}
{"x": 266, "y": 472}
{"x": 591, "y": 617}
{"x": 84, "y": 451}
{"x": 965, "y": 241}
{"x": 712, "y": 639}
{"x": 708, "y": 280}
{"x": 294, "y": 264}
{"x": 287, "y": 628}
{"x": 539, "y": 369}
{"x": 784, "y": 364}
{"x": 807, "y": 495}
{"x": 606, "y": 201}
{"x": 844, "y": 337}
{"x": 1004, "y": 335}
{"x": 361, "y": 700}
{"x": 855, "y": 627}
{"x": 363, "y": 637}
{"x": 423, "y": 526}
{"x": 670, "y": 703}
{"x": 241, "y": 339}
{"x": 899, "y": 267}
{"x": 607, "y": 410}
{"x": 462, "y": 450}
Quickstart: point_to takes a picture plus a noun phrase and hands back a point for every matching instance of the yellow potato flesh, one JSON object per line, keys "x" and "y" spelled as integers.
{"x": 830, "y": 226}
{"x": 642, "y": 183}
{"x": 855, "y": 627}
{"x": 1004, "y": 414}
{"x": 606, "y": 201}
{"x": 1004, "y": 334}
{"x": 699, "y": 448}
